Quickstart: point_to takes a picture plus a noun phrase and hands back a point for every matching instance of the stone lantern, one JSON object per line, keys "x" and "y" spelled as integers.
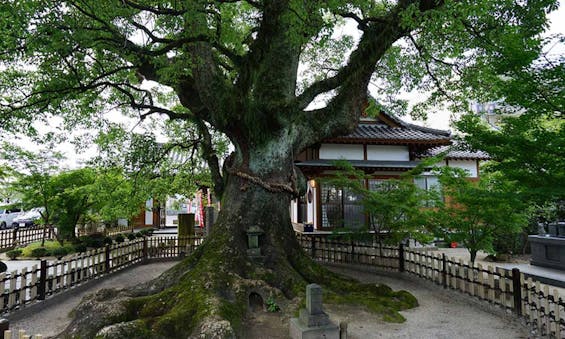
{"x": 253, "y": 249}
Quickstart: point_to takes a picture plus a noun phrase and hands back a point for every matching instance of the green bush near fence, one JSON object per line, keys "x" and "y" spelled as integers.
{"x": 95, "y": 240}
{"x": 46, "y": 250}
{"x": 13, "y": 254}
{"x": 147, "y": 231}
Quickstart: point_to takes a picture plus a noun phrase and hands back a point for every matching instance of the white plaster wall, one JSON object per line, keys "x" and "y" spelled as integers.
{"x": 311, "y": 210}
{"x": 469, "y": 165}
{"x": 341, "y": 151}
{"x": 149, "y": 212}
{"x": 387, "y": 152}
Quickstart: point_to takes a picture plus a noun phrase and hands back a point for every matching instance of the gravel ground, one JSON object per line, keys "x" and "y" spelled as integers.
{"x": 441, "y": 314}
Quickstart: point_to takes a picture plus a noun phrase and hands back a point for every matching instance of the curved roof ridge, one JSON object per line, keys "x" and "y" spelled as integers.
{"x": 414, "y": 126}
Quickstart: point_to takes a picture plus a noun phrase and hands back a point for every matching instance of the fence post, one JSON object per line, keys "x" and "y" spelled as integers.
{"x": 4, "y": 326}
{"x": 444, "y": 269}
{"x": 353, "y": 252}
{"x": 313, "y": 246}
{"x": 15, "y": 236}
{"x": 517, "y": 288}
{"x": 107, "y": 259}
{"x": 42, "y": 280}
{"x": 401, "y": 257}
{"x": 145, "y": 249}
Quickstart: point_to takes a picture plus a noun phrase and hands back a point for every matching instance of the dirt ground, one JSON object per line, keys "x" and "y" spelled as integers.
{"x": 441, "y": 314}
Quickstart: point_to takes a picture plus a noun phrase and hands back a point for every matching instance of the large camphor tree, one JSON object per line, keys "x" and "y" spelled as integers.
{"x": 274, "y": 76}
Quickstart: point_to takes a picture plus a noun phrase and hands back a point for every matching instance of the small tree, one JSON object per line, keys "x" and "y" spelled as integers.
{"x": 32, "y": 173}
{"x": 394, "y": 206}
{"x": 474, "y": 213}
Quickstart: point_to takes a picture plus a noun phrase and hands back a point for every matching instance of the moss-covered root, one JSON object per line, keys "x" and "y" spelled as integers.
{"x": 378, "y": 298}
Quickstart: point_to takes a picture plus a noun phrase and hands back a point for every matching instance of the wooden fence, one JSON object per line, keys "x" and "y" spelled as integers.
{"x": 22, "y": 236}
{"x": 27, "y": 286}
{"x": 543, "y": 309}
{"x": 108, "y": 231}
{"x": 329, "y": 249}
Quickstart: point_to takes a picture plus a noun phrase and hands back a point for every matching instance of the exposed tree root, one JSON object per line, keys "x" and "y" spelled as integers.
{"x": 207, "y": 296}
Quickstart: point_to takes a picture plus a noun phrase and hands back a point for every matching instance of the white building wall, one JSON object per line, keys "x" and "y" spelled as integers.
{"x": 469, "y": 165}
{"x": 341, "y": 151}
{"x": 388, "y": 152}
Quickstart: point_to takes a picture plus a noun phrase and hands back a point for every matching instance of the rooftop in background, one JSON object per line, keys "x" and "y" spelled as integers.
{"x": 456, "y": 152}
{"x": 388, "y": 129}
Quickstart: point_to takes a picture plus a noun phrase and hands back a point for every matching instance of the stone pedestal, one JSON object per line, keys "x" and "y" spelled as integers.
{"x": 548, "y": 251}
{"x": 313, "y": 322}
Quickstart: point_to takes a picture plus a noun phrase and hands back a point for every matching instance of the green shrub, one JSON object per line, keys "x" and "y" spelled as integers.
{"x": 80, "y": 248}
{"x": 95, "y": 240}
{"x": 119, "y": 238}
{"x": 139, "y": 235}
{"x": 147, "y": 231}
{"x": 131, "y": 236}
{"x": 40, "y": 252}
{"x": 59, "y": 252}
{"x": 13, "y": 254}
{"x": 108, "y": 241}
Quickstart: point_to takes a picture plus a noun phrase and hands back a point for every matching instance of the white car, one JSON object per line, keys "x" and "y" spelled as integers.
{"x": 29, "y": 218}
{"x": 7, "y": 216}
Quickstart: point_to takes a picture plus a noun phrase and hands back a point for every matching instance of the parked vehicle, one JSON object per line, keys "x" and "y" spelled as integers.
{"x": 7, "y": 216}
{"x": 29, "y": 218}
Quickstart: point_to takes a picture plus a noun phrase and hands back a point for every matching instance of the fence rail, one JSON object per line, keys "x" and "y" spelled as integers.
{"x": 11, "y": 238}
{"x": 543, "y": 310}
{"x": 21, "y": 288}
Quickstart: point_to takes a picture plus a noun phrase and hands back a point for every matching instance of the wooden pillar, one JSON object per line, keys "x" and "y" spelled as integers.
{"x": 401, "y": 257}
{"x": 517, "y": 289}
{"x": 42, "y": 280}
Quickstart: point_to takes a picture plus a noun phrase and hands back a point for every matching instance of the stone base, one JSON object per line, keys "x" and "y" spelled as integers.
{"x": 301, "y": 331}
{"x": 313, "y": 320}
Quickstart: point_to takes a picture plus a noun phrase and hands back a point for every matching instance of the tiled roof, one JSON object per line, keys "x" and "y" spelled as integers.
{"x": 379, "y": 131}
{"x": 456, "y": 151}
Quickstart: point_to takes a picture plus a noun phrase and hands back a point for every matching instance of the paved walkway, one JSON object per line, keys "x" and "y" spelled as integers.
{"x": 52, "y": 316}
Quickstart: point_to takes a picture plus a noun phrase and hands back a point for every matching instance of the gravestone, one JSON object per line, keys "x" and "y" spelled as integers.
{"x": 313, "y": 322}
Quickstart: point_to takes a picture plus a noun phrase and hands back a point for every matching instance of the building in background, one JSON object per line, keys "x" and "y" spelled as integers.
{"x": 383, "y": 147}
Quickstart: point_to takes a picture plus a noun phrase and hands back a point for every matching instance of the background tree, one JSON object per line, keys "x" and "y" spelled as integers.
{"x": 527, "y": 144}
{"x": 233, "y": 67}
{"x": 476, "y": 213}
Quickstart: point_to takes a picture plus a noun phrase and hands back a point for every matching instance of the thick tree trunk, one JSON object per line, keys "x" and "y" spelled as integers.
{"x": 209, "y": 293}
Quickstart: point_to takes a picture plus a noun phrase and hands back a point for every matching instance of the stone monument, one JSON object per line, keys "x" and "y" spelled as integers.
{"x": 313, "y": 322}
{"x": 548, "y": 249}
